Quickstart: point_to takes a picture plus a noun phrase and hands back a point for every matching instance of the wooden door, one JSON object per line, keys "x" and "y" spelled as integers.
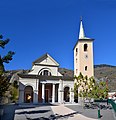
{"x": 46, "y": 96}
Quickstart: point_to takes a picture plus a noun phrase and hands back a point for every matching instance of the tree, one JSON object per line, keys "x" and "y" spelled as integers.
{"x": 14, "y": 91}
{"x": 4, "y": 79}
{"x": 75, "y": 92}
{"x": 84, "y": 85}
{"x": 4, "y": 84}
{"x": 89, "y": 88}
{"x": 100, "y": 90}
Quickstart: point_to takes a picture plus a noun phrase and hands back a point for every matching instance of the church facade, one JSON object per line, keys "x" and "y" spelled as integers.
{"x": 45, "y": 84}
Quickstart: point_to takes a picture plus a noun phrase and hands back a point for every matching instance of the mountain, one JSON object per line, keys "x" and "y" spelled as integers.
{"x": 106, "y": 72}
{"x": 102, "y": 72}
{"x": 103, "y": 65}
{"x": 66, "y": 72}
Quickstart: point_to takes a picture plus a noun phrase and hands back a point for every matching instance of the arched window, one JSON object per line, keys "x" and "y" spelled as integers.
{"x": 76, "y": 70}
{"x": 76, "y": 60}
{"x": 45, "y": 72}
{"x": 85, "y": 47}
{"x": 85, "y": 68}
{"x": 76, "y": 51}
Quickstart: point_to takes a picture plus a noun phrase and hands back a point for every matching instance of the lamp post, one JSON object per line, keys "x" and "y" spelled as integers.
{"x": 99, "y": 115}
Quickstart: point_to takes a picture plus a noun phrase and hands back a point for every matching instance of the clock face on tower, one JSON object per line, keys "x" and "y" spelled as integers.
{"x": 86, "y": 56}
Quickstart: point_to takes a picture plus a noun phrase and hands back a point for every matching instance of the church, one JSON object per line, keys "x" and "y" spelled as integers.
{"x": 45, "y": 84}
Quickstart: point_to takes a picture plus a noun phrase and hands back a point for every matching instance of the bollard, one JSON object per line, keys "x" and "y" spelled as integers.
{"x": 99, "y": 115}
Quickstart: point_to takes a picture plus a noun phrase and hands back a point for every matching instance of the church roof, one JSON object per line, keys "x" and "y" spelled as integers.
{"x": 45, "y": 56}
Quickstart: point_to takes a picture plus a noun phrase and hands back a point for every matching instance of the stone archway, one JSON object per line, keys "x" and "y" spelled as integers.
{"x": 28, "y": 94}
{"x": 66, "y": 94}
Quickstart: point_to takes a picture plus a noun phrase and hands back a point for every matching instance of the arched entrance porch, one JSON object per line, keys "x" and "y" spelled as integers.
{"x": 66, "y": 94}
{"x": 28, "y": 94}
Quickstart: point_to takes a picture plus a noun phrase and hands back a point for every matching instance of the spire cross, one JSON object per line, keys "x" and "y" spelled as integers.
{"x": 81, "y": 18}
{"x": 81, "y": 32}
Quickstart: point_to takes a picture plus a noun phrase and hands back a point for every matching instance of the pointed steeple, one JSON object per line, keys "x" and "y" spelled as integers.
{"x": 81, "y": 32}
{"x": 82, "y": 36}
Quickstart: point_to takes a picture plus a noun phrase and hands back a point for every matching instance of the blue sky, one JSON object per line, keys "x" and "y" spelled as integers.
{"x": 36, "y": 27}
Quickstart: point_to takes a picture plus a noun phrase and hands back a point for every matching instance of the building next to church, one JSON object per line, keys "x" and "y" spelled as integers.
{"x": 44, "y": 83}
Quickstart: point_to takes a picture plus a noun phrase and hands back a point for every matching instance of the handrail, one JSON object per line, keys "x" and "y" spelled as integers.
{"x": 112, "y": 103}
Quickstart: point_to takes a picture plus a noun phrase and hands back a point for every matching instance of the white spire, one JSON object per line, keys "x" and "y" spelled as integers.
{"x": 81, "y": 32}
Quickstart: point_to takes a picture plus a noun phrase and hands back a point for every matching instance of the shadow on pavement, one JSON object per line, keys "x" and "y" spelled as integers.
{"x": 8, "y": 111}
{"x": 64, "y": 116}
{"x": 55, "y": 117}
{"x": 33, "y": 112}
{"x": 41, "y": 118}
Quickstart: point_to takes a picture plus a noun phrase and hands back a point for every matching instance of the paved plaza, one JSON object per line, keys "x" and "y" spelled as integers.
{"x": 53, "y": 112}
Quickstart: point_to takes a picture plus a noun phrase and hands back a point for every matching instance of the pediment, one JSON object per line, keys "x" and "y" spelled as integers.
{"x": 46, "y": 59}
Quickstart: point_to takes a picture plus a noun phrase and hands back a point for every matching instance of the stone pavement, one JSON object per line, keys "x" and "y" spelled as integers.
{"x": 107, "y": 114}
{"x": 65, "y": 113}
{"x": 33, "y": 112}
{"x": 53, "y": 112}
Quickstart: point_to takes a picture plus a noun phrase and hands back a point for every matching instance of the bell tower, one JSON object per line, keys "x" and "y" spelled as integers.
{"x": 83, "y": 54}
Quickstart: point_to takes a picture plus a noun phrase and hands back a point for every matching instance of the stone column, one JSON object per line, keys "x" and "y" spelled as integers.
{"x": 21, "y": 92}
{"x": 70, "y": 95}
{"x": 21, "y": 96}
{"x": 60, "y": 95}
{"x": 43, "y": 93}
{"x": 35, "y": 92}
{"x": 53, "y": 93}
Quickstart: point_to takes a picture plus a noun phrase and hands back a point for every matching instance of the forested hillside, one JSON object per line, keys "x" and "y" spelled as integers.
{"x": 102, "y": 72}
{"x": 106, "y": 72}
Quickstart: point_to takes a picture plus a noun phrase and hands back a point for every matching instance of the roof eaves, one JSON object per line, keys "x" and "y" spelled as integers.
{"x": 40, "y": 77}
